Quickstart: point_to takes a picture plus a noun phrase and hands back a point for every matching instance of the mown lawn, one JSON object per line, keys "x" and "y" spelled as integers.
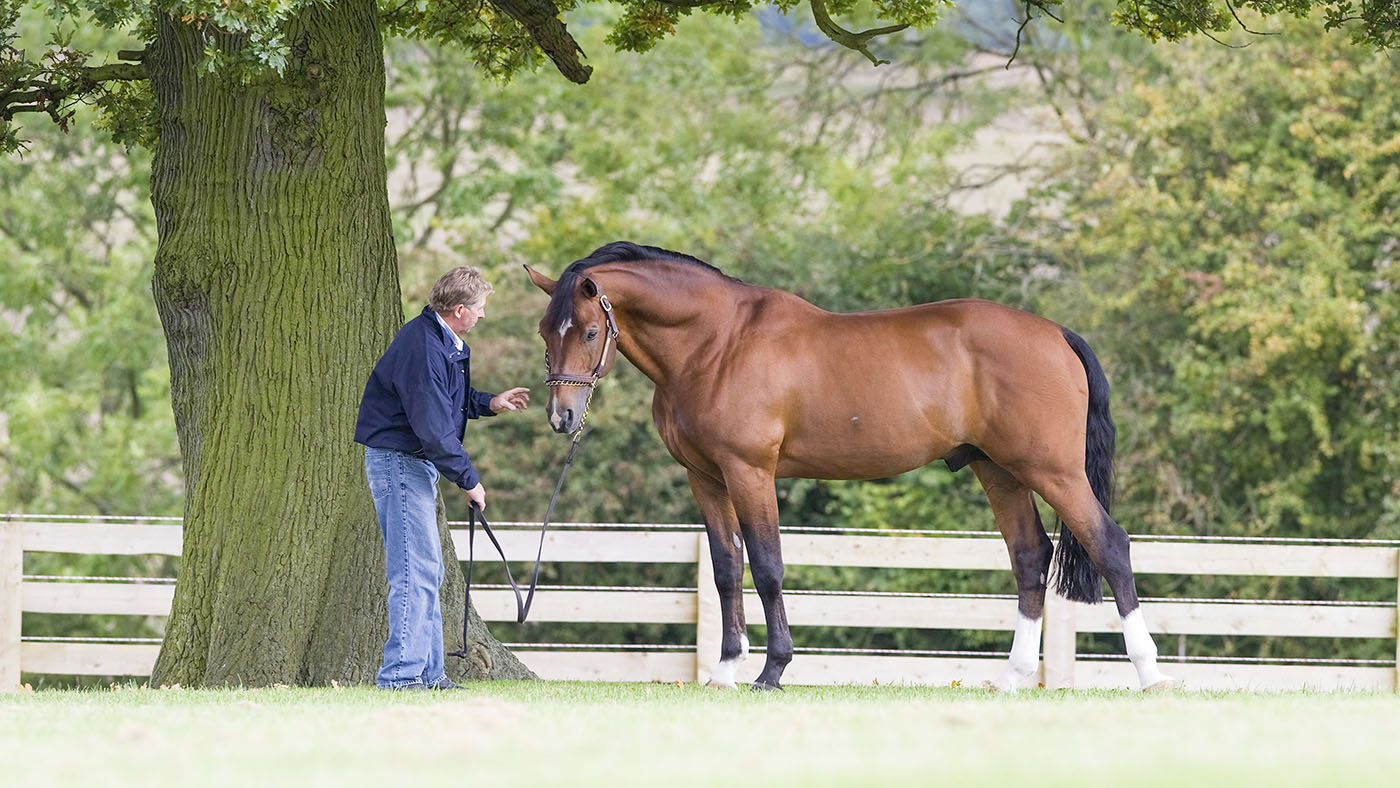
{"x": 576, "y": 734}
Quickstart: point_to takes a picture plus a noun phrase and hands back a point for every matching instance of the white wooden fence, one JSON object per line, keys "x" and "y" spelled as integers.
{"x": 606, "y": 543}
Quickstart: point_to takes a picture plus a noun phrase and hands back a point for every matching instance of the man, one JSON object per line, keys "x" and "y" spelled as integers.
{"x": 412, "y": 418}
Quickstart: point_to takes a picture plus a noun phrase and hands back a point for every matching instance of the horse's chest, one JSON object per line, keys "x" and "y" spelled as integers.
{"x": 671, "y": 422}
{"x": 676, "y": 425}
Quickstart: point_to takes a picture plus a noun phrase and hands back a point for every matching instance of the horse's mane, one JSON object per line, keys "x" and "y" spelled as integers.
{"x": 561, "y": 305}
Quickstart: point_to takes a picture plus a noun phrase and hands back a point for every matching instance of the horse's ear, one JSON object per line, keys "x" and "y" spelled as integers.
{"x": 541, "y": 281}
{"x": 589, "y": 287}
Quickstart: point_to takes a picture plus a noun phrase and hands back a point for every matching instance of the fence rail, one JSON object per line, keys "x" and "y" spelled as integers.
{"x": 698, "y": 606}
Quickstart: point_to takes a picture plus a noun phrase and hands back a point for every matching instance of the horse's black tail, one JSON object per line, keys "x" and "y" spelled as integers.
{"x": 1076, "y": 577}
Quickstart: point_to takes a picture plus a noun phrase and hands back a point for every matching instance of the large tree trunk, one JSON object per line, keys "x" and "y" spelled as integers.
{"x": 276, "y": 283}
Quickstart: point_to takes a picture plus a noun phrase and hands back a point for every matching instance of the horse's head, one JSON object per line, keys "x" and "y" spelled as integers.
{"x": 580, "y": 344}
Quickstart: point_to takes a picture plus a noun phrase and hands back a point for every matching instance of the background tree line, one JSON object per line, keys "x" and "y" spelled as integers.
{"x": 1218, "y": 222}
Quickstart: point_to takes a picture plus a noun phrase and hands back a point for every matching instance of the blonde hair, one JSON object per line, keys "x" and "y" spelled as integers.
{"x": 461, "y": 285}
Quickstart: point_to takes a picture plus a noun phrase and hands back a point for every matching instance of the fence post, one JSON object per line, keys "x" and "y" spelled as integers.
{"x": 707, "y": 623}
{"x": 11, "y": 570}
{"x": 1059, "y": 641}
{"x": 1397, "y": 620}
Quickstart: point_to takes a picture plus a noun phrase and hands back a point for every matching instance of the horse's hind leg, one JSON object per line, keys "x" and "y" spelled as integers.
{"x": 727, "y": 557}
{"x": 1031, "y": 551}
{"x": 1107, "y": 545}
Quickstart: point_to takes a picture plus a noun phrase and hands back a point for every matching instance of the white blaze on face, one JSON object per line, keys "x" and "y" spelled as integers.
{"x": 728, "y": 668}
{"x": 555, "y": 419}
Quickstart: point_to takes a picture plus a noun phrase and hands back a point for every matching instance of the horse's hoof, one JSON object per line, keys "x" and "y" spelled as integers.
{"x": 1164, "y": 684}
{"x": 992, "y": 686}
{"x": 765, "y": 686}
{"x": 721, "y": 685}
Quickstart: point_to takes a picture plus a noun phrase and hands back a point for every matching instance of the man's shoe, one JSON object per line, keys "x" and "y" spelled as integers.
{"x": 416, "y": 686}
{"x": 444, "y": 683}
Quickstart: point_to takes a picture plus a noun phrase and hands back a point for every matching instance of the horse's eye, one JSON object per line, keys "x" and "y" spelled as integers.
{"x": 592, "y": 334}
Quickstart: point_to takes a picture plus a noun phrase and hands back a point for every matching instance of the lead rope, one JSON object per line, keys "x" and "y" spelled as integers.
{"x": 522, "y": 609}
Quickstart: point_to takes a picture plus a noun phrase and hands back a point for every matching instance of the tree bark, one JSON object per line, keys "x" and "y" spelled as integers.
{"x": 276, "y": 284}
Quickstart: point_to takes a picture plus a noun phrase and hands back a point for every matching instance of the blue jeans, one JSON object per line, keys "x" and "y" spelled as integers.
{"x": 405, "y": 497}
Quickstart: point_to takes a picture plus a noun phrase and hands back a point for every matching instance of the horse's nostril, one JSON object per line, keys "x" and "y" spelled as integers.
{"x": 568, "y": 419}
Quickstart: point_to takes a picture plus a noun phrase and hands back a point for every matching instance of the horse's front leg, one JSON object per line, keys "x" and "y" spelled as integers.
{"x": 756, "y": 503}
{"x": 727, "y": 556}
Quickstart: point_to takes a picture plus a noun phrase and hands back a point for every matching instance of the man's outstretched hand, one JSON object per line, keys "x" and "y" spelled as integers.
{"x": 515, "y": 399}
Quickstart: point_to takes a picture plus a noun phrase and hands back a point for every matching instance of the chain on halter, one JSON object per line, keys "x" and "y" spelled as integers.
{"x": 553, "y": 382}
{"x": 587, "y": 399}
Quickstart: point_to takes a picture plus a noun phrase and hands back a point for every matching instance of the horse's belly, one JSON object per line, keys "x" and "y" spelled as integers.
{"x": 837, "y": 468}
{"x": 855, "y": 452}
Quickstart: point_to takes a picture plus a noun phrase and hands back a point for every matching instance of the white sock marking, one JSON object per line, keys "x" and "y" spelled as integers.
{"x": 1141, "y": 650}
{"x": 1025, "y": 654}
{"x": 727, "y": 668}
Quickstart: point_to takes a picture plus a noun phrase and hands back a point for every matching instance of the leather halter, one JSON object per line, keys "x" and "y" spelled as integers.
{"x": 565, "y": 379}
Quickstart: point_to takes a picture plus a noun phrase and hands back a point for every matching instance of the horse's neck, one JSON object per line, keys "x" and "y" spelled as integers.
{"x": 667, "y": 316}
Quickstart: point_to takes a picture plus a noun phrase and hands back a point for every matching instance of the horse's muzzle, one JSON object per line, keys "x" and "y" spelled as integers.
{"x": 562, "y": 420}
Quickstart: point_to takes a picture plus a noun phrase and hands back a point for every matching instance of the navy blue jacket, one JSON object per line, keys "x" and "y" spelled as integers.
{"x": 419, "y": 397}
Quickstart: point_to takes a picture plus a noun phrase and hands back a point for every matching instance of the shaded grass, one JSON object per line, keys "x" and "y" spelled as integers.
{"x": 580, "y": 734}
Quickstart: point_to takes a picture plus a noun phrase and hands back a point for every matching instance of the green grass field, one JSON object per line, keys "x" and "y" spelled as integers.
{"x": 574, "y": 734}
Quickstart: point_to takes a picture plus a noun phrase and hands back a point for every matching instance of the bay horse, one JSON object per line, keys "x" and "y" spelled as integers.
{"x": 754, "y": 383}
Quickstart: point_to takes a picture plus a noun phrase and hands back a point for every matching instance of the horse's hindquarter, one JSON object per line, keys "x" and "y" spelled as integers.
{"x": 880, "y": 393}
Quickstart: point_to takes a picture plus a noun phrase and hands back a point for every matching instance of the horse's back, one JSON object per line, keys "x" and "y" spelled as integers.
{"x": 962, "y": 336}
{"x": 975, "y": 313}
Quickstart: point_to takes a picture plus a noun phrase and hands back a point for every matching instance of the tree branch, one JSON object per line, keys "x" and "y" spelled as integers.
{"x": 97, "y": 503}
{"x": 505, "y": 212}
{"x": 1025, "y": 22}
{"x": 541, "y": 19}
{"x": 49, "y": 94}
{"x": 1242, "y": 25}
{"x": 24, "y": 244}
{"x": 846, "y": 38}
